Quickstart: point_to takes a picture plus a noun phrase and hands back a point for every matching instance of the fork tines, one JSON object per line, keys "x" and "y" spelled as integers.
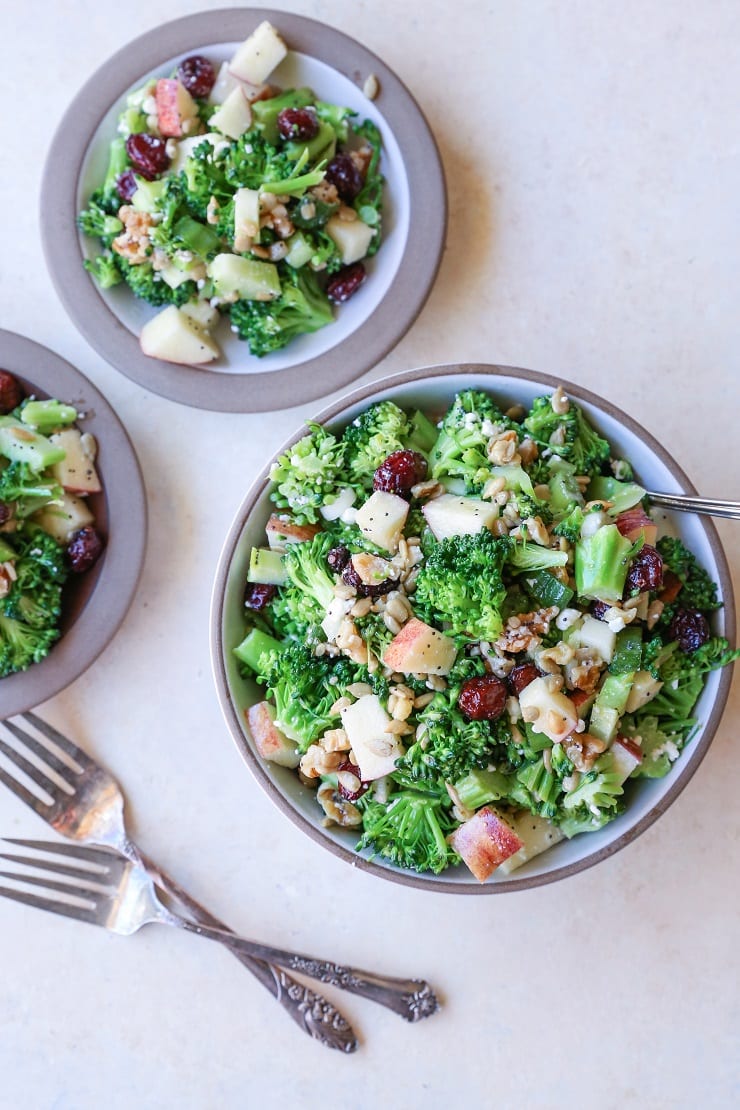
{"x": 80, "y": 893}
{"x": 54, "y": 762}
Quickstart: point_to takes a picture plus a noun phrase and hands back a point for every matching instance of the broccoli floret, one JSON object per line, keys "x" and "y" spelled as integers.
{"x": 301, "y": 308}
{"x": 542, "y": 785}
{"x": 144, "y": 282}
{"x": 683, "y": 676}
{"x": 107, "y": 196}
{"x": 304, "y": 688}
{"x": 450, "y": 745}
{"x": 309, "y": 471}
{"x": 96, "y": 222}
{"x": 372, "y": 436}
{"x": 660, "y": 745}
{"x": 570, "y": 525}
{"x": 578, "y": 442}
{"x": 698, "y": 591}
{"x": 530, "y": 556}
{"x": 597, "y": 790}
{"x": 410, "y": 829}
{"x": 308, "y": 572}
{"x": 104, "y": 268}
{"x": 21, "y": 645}
{"x": 27, "y": 489}
{"x": 461, "y": 585}
{"x": 461, "y": 448}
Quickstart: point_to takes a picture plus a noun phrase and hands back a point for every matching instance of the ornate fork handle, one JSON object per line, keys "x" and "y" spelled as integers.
{"x": 313, "y": 1013}
{"x": 413, "y": 999}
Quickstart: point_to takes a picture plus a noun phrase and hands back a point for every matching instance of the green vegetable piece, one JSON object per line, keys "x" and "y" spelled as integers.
{"x": 266, "y": 566}
{"x": 197, "y": 237}
{"x": 628, "y": 651}
{"x": 624, "y": 495}
{"x": 422, "y": 434}
{"x": 610, "y": 705}
{"x": 45, "y": 416}
{"x": 250, "y": 279}
{"x": 19, "y": 443}
{"x": 546, "y": 589}
{"x": 601, "y": 564}
{"x": 7, "y": 553}
{"x": 148, "y": 194}
{"x": 300, "y": 251}
{"x": 479, "y": 787}
{"x": 321, "y": 147}
{"x": 254, "y": 645}
{"x": 265, "y": 112}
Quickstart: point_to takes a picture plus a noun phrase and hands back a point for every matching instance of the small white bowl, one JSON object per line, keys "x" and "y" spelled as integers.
{"x": 400, "y": 275}
{"x": 433, "y": 389}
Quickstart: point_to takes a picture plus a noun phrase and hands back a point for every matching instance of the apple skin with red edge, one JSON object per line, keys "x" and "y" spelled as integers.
{"x": 175, "y": 107}
{"x": 270, "y": 742}
{"x": 633, "y": 523}
{"x": 484, "y": 842}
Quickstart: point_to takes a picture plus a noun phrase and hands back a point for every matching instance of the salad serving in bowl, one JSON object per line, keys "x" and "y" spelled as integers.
{"x": 453, "y": 642}
{"x": 72, "y": 523}
{"x": 244, "y": 210}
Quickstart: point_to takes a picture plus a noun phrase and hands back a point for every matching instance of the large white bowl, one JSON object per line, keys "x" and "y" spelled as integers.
{"x": 433, "y": 389}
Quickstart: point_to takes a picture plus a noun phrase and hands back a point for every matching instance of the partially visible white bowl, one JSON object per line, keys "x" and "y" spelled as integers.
{"x": 433, "y": 389}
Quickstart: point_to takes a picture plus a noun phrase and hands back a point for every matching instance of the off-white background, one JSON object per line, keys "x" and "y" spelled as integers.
{"x": 593, "y": 159}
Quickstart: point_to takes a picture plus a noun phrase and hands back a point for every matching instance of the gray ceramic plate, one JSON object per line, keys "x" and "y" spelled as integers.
{"x": 96, "y": 602}
{"x": 433, "y": 389}
{"x": 400, "y": 276}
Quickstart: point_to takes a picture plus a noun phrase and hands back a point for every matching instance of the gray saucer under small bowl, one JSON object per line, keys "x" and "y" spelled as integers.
{"x": 95, "y": 603}
{"x": 400, "y": 275}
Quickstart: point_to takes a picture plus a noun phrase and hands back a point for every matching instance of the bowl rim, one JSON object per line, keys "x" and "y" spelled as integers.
{"x": 333, "y": 412}
{"x": 257, "y": 391}
{"x": 123, "y": 489}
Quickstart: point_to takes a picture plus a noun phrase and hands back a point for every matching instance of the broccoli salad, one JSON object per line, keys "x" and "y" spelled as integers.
{"x": 225, "y": 195}
{"x": 47, "y": 531}
{"x": 469, "y": 633}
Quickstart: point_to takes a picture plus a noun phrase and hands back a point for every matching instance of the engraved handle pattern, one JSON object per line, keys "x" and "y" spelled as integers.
{"x": 413, "y": 999}
{"x": 313, "y": 1013}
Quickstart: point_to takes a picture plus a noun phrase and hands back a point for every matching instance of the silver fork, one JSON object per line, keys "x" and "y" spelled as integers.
{"x": 706, "y": 506}
{"x": 83, "y": 802}
{"x": 120, "y": 895}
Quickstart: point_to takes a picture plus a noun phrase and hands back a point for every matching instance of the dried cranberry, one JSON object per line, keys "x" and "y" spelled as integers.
{"x": 365, "y": 589}
{"x": 298, "y": 123}
{"x": 338, "y": 558}
{"x": 11, "y": 392}
{"x": 521, "y": 676}
{"x": 126, "y": 185}
{"x": 4, "y": 512}
{"x": 84, "y": 549}
{"x": 483, "y": 699}
{"x": 645, "y": 571}
{"x": 258, "y": 594}
{"x": 690, "y": 628}
{"x": 148, "y": 154}
{"x": 345, "y": 283}
{"x": 344, "y": 175}
{"x": 598, "y": 608}
{"x": 349, "y": 783}
{"x": 197, "y": 75}
{"x": 399, "y": 472}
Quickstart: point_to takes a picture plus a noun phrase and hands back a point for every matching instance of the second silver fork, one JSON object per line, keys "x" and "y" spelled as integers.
{"x": 89, "y": 809}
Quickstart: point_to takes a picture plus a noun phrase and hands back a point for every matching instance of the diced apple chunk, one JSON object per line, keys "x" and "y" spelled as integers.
{"x": 596, "y": 635}
{"x": 203, "y": 314}
{"x": 224, "y": 84}
{"x": 644, "y": 688}
{"x": 375, "y": 749}
{"x": 633, "y": 523}
{"x": 626, "y": 756}
{"x": 381, "y": 519}
{"x": 548, "y": 709}
{"x": 246, "y": 218}
{"x": 258, "y": 55}
{"x": 450, "y": 515}
{"x": 234, "y": 117}
{"x": 537, "y": 834}
{"x": 335, "y": 614}
{"x": 62, "y": 520}
{"x": 352, "y": 237}
{"x": 188, "y": 146}
{"x": 76, "y": 472}
{"x": 270, "y": 742}
{"x": 420, "y": 649}
{"x": 281, "y": 532}
{"x": 484, "y": 842}
{"x": 177, "y": 112}
{"x": 344, "y": 500}
{"x": 175, "y": 337}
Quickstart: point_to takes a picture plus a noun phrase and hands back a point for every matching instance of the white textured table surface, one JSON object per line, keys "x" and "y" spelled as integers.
{"x": 593, "y": 162}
